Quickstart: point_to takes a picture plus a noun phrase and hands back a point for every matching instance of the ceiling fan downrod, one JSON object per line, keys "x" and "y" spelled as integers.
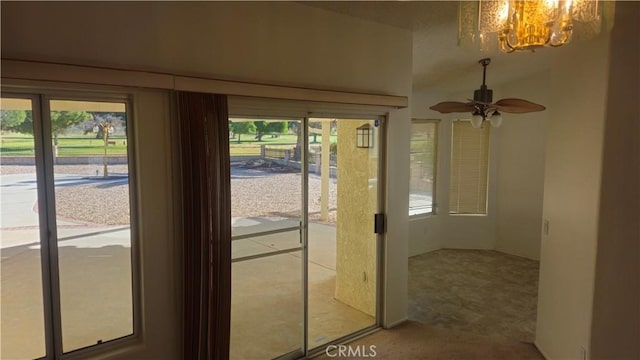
{"x": 483, "y": 94}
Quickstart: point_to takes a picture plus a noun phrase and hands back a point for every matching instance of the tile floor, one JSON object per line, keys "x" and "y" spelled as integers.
{"x": 478, "y": 291}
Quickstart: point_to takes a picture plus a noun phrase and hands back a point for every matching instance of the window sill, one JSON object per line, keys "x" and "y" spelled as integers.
{"x": 469, "y": 215}
{"x": 118, "y": 349}
{"x": 421, "y": 216}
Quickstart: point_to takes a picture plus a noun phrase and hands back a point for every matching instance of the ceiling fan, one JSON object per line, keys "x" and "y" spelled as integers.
{"x": 481, "y": 107}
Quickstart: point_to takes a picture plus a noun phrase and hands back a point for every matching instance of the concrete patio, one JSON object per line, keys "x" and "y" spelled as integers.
{"x": 95, "y": 268}
{"x": 267, "y": 312}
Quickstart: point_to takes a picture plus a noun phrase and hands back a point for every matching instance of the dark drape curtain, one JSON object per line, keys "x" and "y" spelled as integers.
{"x": 206, "y": 196}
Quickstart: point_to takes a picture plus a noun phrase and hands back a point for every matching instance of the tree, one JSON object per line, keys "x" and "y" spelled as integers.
{"x": 62, "y": 120}
{"x": 103, "y": 124}
{"x": 116, "y": 119}
{"x": 279, "y": 127}
{"x": 26, "y": 127}
{"x": 21, "y": 121}
{"x": 243, "y": 127}
{"x": 297, "y": 151}
{"x": 10, "y": 119}
{"x": 263, "y": 127}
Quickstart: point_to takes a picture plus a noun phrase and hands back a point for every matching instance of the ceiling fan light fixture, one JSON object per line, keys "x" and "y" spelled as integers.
{"x": 495, "y": 119}
{"x": 476, "y": 120}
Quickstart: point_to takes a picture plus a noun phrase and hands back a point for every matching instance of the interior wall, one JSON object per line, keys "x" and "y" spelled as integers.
{"x": 270, "y": 42}
{"x": 615, "y": 328}
{"x": 396, "y": 245}
{"x": 520, "y": 169}
{"x": 157, "y": 226}
{"x": 577, "y": 98}
{"x": 442, "y": 230}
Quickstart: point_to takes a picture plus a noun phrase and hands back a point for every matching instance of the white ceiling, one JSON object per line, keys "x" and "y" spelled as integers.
{"x": 438, "y": 62}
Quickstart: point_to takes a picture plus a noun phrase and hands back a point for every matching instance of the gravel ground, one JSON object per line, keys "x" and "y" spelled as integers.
{"x": 99, "y": 203}
{"x": 261, "y": 189}
{"x": 258, "y": 189}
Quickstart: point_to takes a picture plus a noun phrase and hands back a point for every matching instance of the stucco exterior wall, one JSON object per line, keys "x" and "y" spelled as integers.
{"x": 355, "y": 240}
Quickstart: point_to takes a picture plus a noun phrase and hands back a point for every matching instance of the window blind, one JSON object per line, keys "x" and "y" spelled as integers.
{"x": 469, "y": 169}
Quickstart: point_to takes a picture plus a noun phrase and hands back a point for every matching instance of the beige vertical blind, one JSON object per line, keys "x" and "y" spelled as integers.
{"x": 469, "y": 169}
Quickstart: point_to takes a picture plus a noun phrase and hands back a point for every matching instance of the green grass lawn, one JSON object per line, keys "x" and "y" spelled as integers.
{"x": 266, "y": 139}
{"x": 72, "y": 145}
{"x": 12, "y": 144}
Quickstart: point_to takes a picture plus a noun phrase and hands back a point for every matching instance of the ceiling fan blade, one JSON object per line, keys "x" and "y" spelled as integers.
{"x": 478, "y": 102}
{"x": 517, "y": 106}
{"x": 452, "y": 106}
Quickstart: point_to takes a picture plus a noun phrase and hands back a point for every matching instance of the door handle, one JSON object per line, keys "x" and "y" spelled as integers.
{"x": 379, "y": 223}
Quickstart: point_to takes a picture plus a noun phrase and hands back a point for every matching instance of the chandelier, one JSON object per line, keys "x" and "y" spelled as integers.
{"x": 527, "y": 24}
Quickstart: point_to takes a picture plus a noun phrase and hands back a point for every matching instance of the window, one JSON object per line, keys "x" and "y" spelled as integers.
{"x": 67, "y": 260}
{"x": 469, "y": 169}
{"x": 422, "y": 166}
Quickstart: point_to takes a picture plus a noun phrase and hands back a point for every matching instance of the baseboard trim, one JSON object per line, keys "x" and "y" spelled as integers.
{"x": 544, "y": 355}
{"x": 395, "y": 323}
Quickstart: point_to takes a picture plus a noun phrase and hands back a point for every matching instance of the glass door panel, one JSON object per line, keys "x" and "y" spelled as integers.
{"x": 328, "y": 248}
{"x": 266, "y": 186}
{"x": 342, "y": 247}
{"x": 23, "y": 326}
{"x": 267, "y": 318}
{"x": 256, "y": 246}
{"x": 91, "y": 177}
{"x": 266, "y": 305}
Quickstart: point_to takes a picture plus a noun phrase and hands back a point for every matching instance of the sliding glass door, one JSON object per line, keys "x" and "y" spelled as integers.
{"x": 305, "y": 253}
{"x": 342, "y": 247}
